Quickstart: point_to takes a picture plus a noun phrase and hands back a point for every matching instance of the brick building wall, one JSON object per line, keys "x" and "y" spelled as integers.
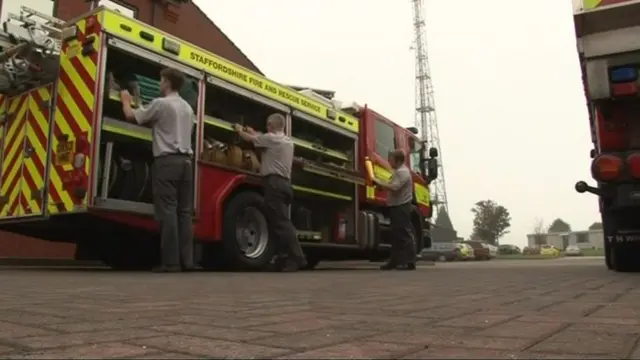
{"x": 185, "y": 21}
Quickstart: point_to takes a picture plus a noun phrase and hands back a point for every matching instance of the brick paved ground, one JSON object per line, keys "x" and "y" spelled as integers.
{"x": 500, "y": 309}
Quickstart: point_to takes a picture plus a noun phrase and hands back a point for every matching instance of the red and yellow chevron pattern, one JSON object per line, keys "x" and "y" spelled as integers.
{"x": 3, "y": 109}
{"x": 73, "y": 118}
{"x": 24, "y": 154}
{"x": 2, "y": 112}
{"x": 13, "y": 155}
{"x": 35, "y": 151}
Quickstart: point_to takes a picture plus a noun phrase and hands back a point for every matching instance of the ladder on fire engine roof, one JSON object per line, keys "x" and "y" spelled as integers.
{"x": 22, "y": 36}
{"x": 30, "y": 27}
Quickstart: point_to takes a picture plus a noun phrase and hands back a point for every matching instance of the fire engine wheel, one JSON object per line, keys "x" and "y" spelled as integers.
{"x": 607, "y": 254}
{"x": 246, "y": 233}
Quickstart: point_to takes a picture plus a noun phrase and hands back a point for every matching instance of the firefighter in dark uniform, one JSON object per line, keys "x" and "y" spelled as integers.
{"x": 275, "y": 168}
{"x": 400, "y": 202}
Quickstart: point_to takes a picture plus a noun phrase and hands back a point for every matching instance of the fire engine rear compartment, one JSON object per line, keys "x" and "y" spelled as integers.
{"x": 129, "y": 175}
{"x": 325, "y": 176}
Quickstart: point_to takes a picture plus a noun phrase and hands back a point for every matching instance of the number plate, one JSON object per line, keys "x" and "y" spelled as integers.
{"x": 624, "y": 238}
{"x": 64, "y": 152}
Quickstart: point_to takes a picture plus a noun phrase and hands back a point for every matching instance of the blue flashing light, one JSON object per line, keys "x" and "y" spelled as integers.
{"x": 625, "y": 74}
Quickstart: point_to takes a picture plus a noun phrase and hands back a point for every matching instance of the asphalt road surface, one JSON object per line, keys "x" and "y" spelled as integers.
{"x": 555, "y": 309}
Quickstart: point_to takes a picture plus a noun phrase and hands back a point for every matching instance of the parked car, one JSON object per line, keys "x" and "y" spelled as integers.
{"x": 548, "y": 250}
{"x": 573, "y": 250}
{"x": 508, "y": 249}
{"x": 466, "y": 252}
{"x": 493, "y": 250}
{"x": 444, "y": 251}
{"x": 531, "y": 251}
{"x": 481, "y": 252}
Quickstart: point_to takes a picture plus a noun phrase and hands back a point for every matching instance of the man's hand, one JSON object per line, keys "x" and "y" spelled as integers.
{"x": 125, "y": 97}
{"x": 237, "y": 127}
{"x": 249, "y": 130}
{"x": 376, "y": 181}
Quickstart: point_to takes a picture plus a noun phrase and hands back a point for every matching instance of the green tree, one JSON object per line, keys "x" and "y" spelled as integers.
{"x": 491, "y": 221}
{"x": 559, "y": 226}
{"x": 596, "y": 226}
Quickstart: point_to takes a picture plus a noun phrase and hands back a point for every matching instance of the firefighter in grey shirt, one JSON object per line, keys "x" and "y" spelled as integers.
{"x": 400, "y": 203}
{"x": 171, "y": 119}
{"x": 275, "y": 168}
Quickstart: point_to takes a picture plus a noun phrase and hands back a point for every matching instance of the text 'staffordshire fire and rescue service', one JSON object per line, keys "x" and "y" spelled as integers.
{"x": 72, "y": 170}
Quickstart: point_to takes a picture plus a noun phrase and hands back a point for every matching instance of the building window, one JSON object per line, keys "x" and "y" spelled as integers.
{"x": 582, "y": 238}
{"x": 120, "y": 6}
{"x": 385, "y": 138}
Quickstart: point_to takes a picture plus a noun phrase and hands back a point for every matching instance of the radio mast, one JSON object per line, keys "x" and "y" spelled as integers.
{"x": 426, "y": 119}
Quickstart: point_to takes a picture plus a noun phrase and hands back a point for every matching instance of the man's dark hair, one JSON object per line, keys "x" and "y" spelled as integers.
{"x": 174, "y": 77}
{"x": 397, "y": 155}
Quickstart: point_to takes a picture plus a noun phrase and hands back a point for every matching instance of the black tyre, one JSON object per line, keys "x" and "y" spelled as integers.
{"x": 245, "y": 237}
{"x": 607, "y": 254}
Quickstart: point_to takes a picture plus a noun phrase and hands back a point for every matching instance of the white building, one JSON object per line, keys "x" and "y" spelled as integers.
{"x": 588, "y": 239}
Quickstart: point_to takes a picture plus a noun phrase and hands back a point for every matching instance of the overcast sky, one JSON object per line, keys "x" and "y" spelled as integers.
{"x": 511, "y": 111}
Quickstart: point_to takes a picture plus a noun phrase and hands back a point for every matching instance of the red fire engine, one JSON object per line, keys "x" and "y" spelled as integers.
{"x": 73, "y": 171}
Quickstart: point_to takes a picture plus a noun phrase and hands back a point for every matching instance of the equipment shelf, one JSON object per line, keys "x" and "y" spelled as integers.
{"x": 117, "y": 127}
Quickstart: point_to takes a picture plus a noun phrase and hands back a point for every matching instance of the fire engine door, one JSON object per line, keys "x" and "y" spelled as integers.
{"x": 3, "y": 113}
{"x": 24, "y": 154}
{"x": 12, "y": 155}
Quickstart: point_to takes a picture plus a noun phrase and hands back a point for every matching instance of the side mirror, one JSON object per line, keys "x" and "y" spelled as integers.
{"x": 432, "y": 169}
{"x": 413, "y": 130}
{"x": 423, "y": 160}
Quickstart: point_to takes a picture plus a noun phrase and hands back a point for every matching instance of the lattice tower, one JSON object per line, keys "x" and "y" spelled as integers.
{"x": 426, "y": 119}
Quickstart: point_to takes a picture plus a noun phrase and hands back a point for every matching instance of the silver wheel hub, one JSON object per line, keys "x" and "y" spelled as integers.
{"x": 252, "y": 232}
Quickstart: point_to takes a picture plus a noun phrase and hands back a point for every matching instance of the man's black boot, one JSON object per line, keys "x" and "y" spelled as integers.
{"x": 388, "y": 266}
{"x": 290, "y": 266}
{"x": 166, "y": 269}
{"x": 192, "y": 268}
{"x": 408, "y": 266}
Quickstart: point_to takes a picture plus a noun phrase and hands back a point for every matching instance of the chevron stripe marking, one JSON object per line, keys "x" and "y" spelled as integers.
{"x": 73, "y": 115}
{"x": 33, "y": 170}
{"x": 13, "y": 149}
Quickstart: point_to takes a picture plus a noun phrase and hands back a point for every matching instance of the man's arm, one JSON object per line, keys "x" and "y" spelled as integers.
{"x": 397, "y": 181}
{"x": 250, "y": 135}
{"x": 247, "y": 136}
{"x": 142, "y": 115}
